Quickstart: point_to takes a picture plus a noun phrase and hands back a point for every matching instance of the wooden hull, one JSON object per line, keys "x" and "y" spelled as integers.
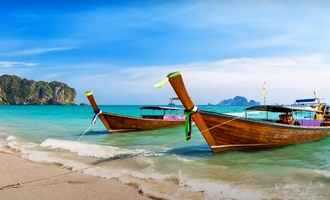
{"x": 232, "y": 133}
{"x": 225, "y": 132}
{"x": 119, "y": 123}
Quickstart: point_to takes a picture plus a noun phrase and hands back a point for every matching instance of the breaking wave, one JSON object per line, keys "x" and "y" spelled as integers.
{"x": 89, "y": 150}
{"x": 151, "y": 184}
{"x": 150, "y": 181}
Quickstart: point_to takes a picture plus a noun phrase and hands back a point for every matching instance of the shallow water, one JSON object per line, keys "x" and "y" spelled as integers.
{"x": 51, "y": 133}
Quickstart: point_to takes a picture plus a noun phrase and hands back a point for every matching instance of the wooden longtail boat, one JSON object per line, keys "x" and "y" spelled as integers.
{"x": 225, "y": 132}
{"x": 120, "y": 123}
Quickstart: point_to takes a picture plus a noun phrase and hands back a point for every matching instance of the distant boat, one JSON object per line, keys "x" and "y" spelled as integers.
{"x": 226, "y": 132}
{"x": 165, "y": 117}
{"x": 309, "y": 102}
{"x": 172, "y": 101}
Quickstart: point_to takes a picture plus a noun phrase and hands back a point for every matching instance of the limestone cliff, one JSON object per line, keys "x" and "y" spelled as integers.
{"x": 15, "y": 90}
{"x": 238, "y": 101}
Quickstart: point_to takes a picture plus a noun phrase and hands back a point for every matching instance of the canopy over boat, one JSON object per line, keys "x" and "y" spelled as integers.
{"x": 279, "y": 109}
{"x": 160, "y": 108}
{"x": 311, "y": 100}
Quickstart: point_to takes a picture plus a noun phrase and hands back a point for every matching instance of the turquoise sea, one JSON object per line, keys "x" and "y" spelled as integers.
{"x": 52, "y": 134}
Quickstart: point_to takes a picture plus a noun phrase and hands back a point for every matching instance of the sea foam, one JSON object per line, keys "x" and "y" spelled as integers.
{"x": 152, "y": 184}
{"x": 89, "y": 150}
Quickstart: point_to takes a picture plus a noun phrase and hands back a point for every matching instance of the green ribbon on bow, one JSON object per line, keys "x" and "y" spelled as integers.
{"x": 188, "y": 124}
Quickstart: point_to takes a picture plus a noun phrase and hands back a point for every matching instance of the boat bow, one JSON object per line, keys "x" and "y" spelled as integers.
{"x": 177, "y": 83}
{"x": 226, "y": 132}
{"x": 97, "y": 110}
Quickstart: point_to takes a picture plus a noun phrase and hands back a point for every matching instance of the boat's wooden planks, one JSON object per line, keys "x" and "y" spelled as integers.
{"x": 117, "y": 122}
{"x": 224, "y": 132}
{"x": 242, "y": 131}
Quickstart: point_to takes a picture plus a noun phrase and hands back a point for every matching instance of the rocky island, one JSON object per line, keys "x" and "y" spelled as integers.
{"x": 15, "y": 90}
{"x": 238, "y": 101}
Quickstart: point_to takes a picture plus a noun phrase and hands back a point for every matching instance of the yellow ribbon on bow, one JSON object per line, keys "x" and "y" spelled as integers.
{"x": 161, "y": 83}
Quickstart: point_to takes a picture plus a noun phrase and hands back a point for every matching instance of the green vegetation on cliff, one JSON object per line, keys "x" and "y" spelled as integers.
{"x": 15, "y": 90}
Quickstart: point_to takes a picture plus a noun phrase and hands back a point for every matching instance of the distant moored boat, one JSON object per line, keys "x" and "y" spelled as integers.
{"x": 165, "y": 117}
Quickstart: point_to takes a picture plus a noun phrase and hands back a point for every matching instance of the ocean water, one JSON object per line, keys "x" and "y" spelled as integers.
{"x": 52, "y": 134}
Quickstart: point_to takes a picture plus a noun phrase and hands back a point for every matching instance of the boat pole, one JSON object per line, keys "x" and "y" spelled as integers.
{"x": 177, "y": 84}
{"x": 97, "y": 110}
{"x": 91, "y": 99}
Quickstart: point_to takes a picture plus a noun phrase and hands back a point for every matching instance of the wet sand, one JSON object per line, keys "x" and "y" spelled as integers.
{"x": 23, "y": 179}
{"x": 63, "y": 185}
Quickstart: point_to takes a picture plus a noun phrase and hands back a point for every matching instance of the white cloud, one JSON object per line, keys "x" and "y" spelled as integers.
{"x": 36, "y": 51}
{"x": 287, "y": 78}
{"x": 10, "y": 64}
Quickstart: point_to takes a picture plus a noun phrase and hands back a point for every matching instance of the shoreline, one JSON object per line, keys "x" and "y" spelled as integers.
{"x": 24, "y": 179}
{"x": 160, "y": 164}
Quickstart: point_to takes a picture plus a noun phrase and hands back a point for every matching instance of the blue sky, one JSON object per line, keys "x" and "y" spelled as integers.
{"x": 120, "y": 48}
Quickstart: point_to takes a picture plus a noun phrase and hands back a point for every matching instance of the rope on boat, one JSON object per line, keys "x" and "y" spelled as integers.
{"x": 188, "y": 114}
{"x": 93, "y": 122}
{"x": 219, "y": 125}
